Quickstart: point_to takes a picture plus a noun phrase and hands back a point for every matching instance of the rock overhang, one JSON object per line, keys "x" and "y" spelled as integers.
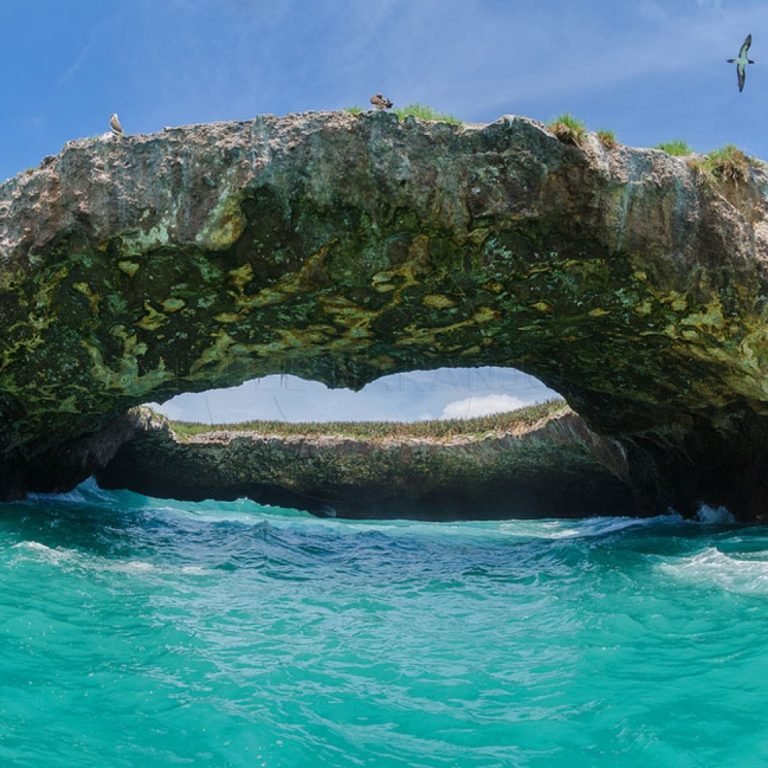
{"x": 344, "y": 247}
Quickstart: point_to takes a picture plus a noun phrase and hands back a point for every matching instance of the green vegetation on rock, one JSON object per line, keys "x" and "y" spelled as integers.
{"x": 676, "y": 148}
{"x": 726, "y": 164}
{"x": 568, "y": 129}
{"x": 378, "y": 430}
{"x": 607, "y": 139}
{"x": 423, "y": 112}
{"x": 354, "y": 110}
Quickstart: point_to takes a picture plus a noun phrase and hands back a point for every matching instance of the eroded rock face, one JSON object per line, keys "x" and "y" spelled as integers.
{"x": 550, "y": 467}
{"x": 343, "y": 247}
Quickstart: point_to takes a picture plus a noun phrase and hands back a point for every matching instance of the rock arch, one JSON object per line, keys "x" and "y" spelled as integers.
{"x": 344, "y": 247}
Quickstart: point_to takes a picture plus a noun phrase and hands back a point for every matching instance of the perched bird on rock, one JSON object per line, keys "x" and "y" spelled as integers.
{"x": 114, "y": 124}
{"x": 741, "y": 62}
{"x": 380, "y": 102}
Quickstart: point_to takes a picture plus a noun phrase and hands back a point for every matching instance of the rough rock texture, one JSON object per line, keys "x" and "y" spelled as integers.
{"x": 550, "y": 467}
{"x": 343, "y": 247}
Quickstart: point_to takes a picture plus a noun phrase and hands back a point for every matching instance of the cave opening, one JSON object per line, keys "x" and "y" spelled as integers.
{"x": 419, "y": 395}
{"x": 395, "y": 448}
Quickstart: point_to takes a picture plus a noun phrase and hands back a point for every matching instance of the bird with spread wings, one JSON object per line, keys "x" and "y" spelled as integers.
{"x": 741, "y": 62}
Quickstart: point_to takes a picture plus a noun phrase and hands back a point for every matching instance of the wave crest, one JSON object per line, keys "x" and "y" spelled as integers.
{"x": 711, "y": 566}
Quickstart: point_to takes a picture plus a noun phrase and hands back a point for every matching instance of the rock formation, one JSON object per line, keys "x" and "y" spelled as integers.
{"x": 535, "y": 463}
{"x": 342, "y": 247}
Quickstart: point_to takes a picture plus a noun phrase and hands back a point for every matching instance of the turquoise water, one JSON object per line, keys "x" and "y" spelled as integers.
{"x": 137, "y": 632}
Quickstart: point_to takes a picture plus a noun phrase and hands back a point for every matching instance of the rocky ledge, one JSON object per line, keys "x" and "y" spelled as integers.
{"x": 342, "y": 247}
{"x": 539, "y": 462}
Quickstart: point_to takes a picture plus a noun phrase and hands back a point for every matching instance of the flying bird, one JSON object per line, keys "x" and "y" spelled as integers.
{"x": 114, "y": 124}
{"x": 741, "y": 62}
{"x": 380, "y": 102}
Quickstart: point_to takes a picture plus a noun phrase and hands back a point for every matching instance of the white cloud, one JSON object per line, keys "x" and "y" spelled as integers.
{"x": 78, "y": 62}
{"x": 480, "y": 406}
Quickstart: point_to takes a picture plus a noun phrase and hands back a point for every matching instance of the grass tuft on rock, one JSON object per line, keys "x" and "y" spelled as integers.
{"x": 354, "y": 110}
{"x": 607, "y": 139}
{"x": 424, "y": 112}
{"x": 437, "y": 429}
{"x": 726, "y": 164}
{"x": 568, "y": 129}
{"x": 676, "y": 148}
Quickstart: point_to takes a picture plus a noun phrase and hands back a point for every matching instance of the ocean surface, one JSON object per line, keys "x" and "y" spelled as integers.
{"x": 140, "y": 632}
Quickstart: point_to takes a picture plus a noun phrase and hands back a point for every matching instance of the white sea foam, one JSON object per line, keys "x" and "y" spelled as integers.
{"x": 141, "y": 567}
{"x": 71, "y": 559}
{"x": 75, "y": 496}
{"x": 601, "y": 526}
{"x": 55, "y": 556}
{"x": 33, "y": 545}
{"x": 713, "y": 567}
{"x": 88, "y": 492}
{"x": 133, "y": 566}
{"x": 518, "y": 529}
{"x": 194, "y": 570}
{"x": 36, "y": 545}
{"x": 714, "y": 515}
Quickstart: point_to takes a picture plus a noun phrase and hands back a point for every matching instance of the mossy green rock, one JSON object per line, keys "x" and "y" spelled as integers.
{"x": 542, "y": 462}
{"x": 342, "y": 247}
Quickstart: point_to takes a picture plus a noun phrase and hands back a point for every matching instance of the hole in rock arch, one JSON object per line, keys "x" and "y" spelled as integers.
{"x": 414, "y": 396}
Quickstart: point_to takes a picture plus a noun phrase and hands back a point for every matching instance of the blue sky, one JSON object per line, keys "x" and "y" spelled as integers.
{"x": 651, "y": 71}
{"x": 443, "y": 393}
